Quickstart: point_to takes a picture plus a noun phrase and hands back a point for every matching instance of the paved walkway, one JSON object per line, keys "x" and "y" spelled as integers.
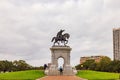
{"x": 61, "y": 78}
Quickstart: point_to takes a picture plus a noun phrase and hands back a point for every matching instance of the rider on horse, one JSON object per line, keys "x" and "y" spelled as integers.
{"x": 61, "y": 38}
{"x": 59, "y": 34}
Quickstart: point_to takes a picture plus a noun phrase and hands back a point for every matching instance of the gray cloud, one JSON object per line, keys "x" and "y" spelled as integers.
{"x": 27, "y": 28}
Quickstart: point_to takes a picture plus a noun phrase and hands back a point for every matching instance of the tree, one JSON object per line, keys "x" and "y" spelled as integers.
{"x": 79, "y": 67}
{"x": 118, "y": 66}
{"x": 114, "y": 66}
{"x": 103, "y": 64}
{"x": 1, "y": 65}
{"x": 6, "y": 66}
{"x": 89, "y": 64}
{"x": 21, "y": 65}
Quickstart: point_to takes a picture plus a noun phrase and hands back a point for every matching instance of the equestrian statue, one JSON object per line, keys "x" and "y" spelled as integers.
{"x": 61, "y": 38}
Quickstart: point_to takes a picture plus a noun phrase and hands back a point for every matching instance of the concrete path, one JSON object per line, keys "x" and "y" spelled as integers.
{"x": 61, "y": 78}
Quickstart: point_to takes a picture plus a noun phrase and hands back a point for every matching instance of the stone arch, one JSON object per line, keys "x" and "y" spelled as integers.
{"x": 61, "y": 63}
{"x": 60, "y": 52}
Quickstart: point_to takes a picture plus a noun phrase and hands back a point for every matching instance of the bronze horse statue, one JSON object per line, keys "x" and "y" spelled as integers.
{"x": 63, "y": 38}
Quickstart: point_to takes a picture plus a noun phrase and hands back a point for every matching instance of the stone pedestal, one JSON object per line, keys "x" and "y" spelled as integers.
{"x": 56, "y": 53}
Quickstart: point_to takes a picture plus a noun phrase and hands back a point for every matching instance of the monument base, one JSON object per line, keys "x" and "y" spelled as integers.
{"x": 53, "y": 71}
{"x": 58, "y": 52}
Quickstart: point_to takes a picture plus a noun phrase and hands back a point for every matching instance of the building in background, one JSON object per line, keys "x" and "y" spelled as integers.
{"x": 116, "y": 43}
{"x": 96, "y": 58}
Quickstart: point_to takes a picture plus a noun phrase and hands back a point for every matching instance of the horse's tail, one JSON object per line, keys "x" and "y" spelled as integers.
{"x": 52, "y": 39}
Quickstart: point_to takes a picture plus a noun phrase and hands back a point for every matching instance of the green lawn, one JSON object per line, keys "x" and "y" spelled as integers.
{"x": 22, "y": 75}
{"x": 95, "y": 75}
{"x": 34, "y": 74}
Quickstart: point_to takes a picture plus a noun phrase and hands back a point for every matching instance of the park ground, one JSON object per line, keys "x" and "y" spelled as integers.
{"x": 96, "y": 75}
{"x": 35, "y": 74}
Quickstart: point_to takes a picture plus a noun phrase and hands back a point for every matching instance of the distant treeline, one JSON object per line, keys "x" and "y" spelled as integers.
{"x": 20, "y": 65}
{"x": 105, "y": 64}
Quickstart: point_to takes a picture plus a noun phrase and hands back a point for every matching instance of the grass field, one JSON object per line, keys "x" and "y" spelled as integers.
{"x": 95, "y": 75}
{"x": 34, "y": 74}
{"x": 22, "y": 75}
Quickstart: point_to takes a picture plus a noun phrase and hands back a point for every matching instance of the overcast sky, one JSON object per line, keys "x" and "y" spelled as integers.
{"x": 27, "y": 27}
